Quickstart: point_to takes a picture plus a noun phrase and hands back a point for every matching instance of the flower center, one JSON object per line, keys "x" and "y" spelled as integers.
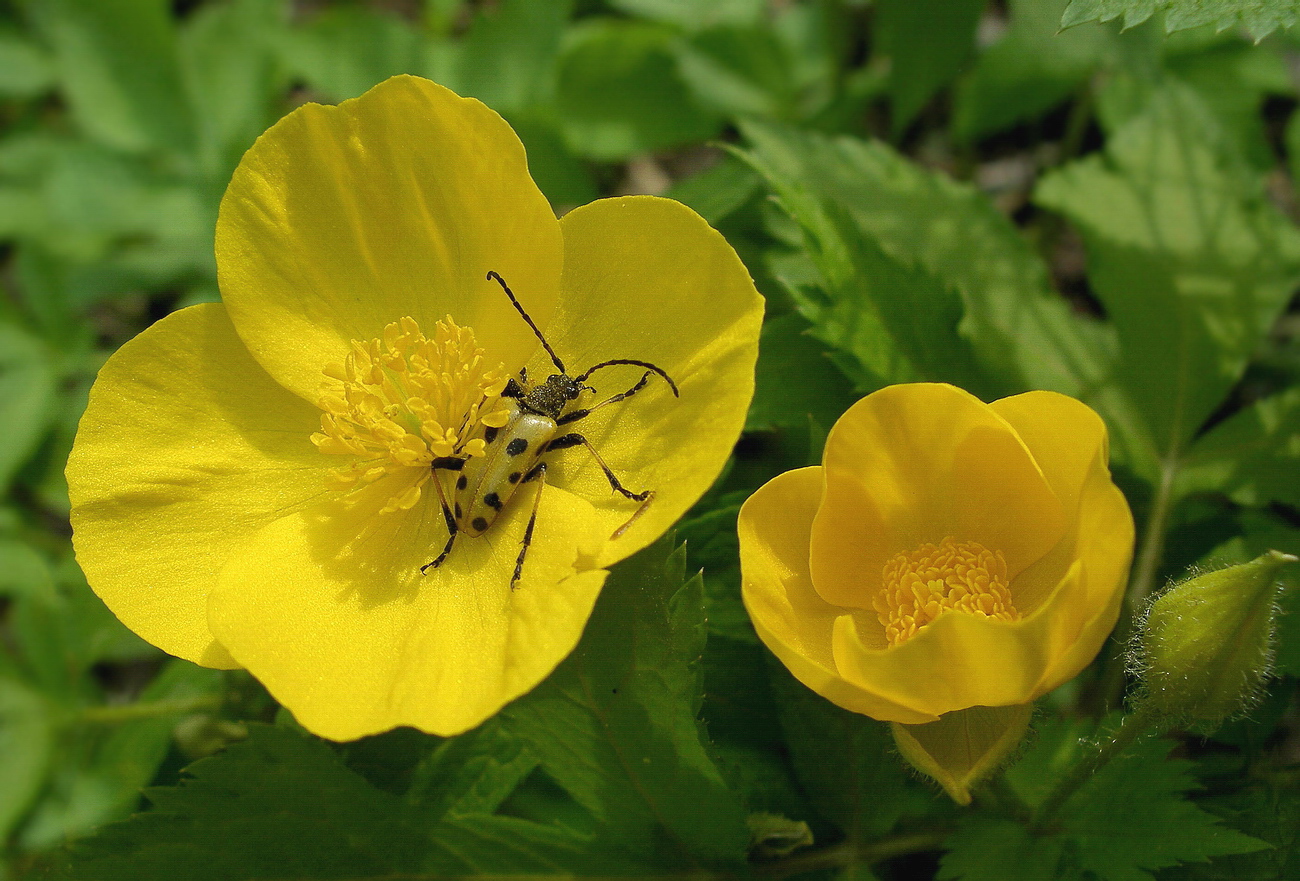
{"x": 961, "y": 576}
{"x": 398, "y": 403}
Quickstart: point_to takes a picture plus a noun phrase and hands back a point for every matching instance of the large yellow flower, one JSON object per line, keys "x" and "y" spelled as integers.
{"x": 252, "y": 483}
{"x": 947, "y": 554}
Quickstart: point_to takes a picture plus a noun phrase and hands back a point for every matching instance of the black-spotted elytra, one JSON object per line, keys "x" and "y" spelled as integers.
{"x": 514, "y": 453}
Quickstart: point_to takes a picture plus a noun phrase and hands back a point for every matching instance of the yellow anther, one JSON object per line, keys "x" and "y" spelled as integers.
{"x": 403, "y": 400}
{"x": 957, "y": 576}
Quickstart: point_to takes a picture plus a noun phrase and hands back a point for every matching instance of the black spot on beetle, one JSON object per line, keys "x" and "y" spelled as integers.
{"x": 458, "y": 511}
{"x": 514, "y": 477}
{"x": 516, "y": 446}
{"x": 490, "y": 434}
{"x": 462, "y": 482}
{"x": 479, "y": 524}
{"x": 493, "y": 501}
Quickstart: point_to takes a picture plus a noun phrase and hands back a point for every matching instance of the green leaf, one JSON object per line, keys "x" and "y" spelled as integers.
{"x": 984, "y": 849}
{"x": 345, "y": 50}
{"x": 741, "y": 72}
{"x": 107, "y": 754}
{"x": 1033, "y": 68}
{"x": 27, "y": 743}
{"x": 940, "y": 236}
{"x": 1132, "y": 816}
{"x": 26, "y": 69}
{"x": 118, "y": 67}
{"x": 796, "y": 380}
{"x": 1191, "y": 261}
{"x": 1253, "y": 456}
{"x": 507, "y": 57}
{"x": 231, "y": 77}
{"x": 1260, "y": 17}
{"x": 692, "y": 15}
{"x": 277, "y": 805}
{"x": 616, "y": 724}
{"x": 845, "y": 762}
{"x": 471, "y": 774}
{"x": 619, "y": 91}
{"x": 27, "y": 397}
{"x": 719, "y": 191}
{"x": 928, "y": 43}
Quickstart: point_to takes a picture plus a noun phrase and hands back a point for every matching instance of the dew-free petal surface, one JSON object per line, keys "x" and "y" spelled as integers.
{"x": 329, "y": 610}
{"x": 186, "y": 449}
{"x": 648, "y": 279}
{"x": 342, "y": 219}
{"x": 793, "y": 621}
{"x": 917, "y": 463}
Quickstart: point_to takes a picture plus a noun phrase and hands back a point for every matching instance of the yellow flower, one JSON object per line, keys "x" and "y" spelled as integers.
{"x": 947, "y": 554}
{"x": 252, "y": 483}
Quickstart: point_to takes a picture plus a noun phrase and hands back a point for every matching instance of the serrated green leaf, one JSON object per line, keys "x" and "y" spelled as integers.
{"x": 1132, "y": 816}
{"x": 275, "y": 806}
{"x": 1260, "y": 17}
{"x": 947, "y": 237}
{"x": 1190, "y": 260}
{"x": 118, "y": 69}
{"x": 616, "y": 724}
{"x": 619, "y": 92}
{"x": 741, "y": 72}
{"x": 928, "y": 43}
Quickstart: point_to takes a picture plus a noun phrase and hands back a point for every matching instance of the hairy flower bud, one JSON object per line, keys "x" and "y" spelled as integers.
{"x": 1204, "y": 647}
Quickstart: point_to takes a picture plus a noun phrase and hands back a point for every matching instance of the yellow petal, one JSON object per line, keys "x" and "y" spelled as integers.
{"x": 186, "y": 449}
{"x": 329, "y": 610}
{"x": 341, "y": 220}
{"x": 916, "y": 463}
{"x": 792, "y": 620}
{"x": 648, "y": 279}
{"x": 1069, "y": 440}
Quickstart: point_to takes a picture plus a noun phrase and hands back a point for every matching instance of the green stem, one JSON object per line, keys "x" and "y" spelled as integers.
{"x": 1141, "y": 721}
{"x": 849, "y": 853}
{"x": 117, "y": 713}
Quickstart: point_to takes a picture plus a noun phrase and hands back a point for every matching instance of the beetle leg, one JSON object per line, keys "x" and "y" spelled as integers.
{"x": 645, "y": 497}
{"x": 537, "y": 473}
{"x": 446, "y": 463}
{"x": 575, "y": 415}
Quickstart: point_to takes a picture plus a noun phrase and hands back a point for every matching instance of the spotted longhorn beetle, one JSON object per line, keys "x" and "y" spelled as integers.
{"x": 484, "y": 484}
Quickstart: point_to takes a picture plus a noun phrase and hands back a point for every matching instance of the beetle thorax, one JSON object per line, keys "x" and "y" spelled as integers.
{"x": 551, "y": 397}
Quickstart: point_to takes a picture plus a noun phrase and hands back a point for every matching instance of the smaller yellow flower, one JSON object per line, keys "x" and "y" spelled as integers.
{"x": 947, "y": 553}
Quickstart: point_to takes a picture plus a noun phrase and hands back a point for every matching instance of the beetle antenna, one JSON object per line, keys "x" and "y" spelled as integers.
{"x": 494, "y": 276}
{"x": 646, "y": 364}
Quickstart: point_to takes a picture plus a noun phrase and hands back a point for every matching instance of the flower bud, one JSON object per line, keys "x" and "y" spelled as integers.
{"x": 1205, "y": 646}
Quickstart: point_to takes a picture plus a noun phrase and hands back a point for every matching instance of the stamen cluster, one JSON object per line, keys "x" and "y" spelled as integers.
{"x": 400, "y": 402}
{"x": 960, "y": 576}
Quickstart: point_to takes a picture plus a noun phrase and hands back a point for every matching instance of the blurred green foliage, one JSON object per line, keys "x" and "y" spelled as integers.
{"x": 956, "y": 191}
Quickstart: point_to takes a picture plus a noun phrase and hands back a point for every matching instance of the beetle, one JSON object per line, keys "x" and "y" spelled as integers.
{"x": 514, "y": 452}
